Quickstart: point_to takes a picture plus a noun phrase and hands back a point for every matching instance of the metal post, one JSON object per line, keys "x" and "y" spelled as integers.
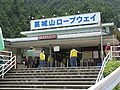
{"x": 76, "y": 63}
{"x": 15, "y": 62}
{"x": 113, "y": 47}
{"x": 3, "y": 71}
{"x": 50, "y": 57}
{"x": 11, "y": 54}
{"x": 61, "y": 64}
{"x": 67, "y": 62}
{"x": 55, "y": 63}
{"x": 101, "y": 41}
{"x": 111, "y": 51}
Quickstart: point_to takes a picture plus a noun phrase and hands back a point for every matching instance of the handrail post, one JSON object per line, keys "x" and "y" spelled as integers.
{"x": 111, "y": 52}
{"x": 11, "y": 54}
{"x": 15, "y": 62}
{"x": 61, "y": 64}
{"x": 3, "y": 71}
{"x": 9, "y": 64}
{"x": 76, "y": 63}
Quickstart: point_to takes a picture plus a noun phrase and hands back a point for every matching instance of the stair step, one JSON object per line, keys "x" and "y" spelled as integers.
{"x": 47, "y": 86}
{"x": 53, "y": 68}
{"x": 50, "y": 76}
{"x": 74, "y": 70}
{"x": 48, "y": 82}
{"x": 53, "y": 73}
{"x": 38, "y": 89}
{"x": 49, "y": 79}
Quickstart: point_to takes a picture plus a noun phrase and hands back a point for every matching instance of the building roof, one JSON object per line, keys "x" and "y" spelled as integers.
{"x": 67, "y": 30}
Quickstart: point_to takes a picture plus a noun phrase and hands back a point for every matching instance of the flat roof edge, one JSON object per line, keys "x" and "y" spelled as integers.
{"x": 76, "y": 27}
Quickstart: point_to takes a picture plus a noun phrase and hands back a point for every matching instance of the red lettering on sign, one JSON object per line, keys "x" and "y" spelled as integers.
{"x": 47, "y": 37}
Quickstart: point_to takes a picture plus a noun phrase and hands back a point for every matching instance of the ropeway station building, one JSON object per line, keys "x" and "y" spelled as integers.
{"x": 56, "y": 36}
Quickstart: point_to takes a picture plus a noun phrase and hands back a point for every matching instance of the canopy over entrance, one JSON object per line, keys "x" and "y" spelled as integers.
{"x": 63, "y": 43}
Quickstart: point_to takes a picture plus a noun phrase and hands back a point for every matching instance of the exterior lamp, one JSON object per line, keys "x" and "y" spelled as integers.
{"x": 66, "y": 13}
{"x": 54, "y": 15}
{"x": 43, "y": 16}
{"x": 78, "y": 12}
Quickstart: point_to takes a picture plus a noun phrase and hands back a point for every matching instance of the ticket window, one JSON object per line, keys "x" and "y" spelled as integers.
{"x": 86, "y": 58}
{"x": 86, "y": 55}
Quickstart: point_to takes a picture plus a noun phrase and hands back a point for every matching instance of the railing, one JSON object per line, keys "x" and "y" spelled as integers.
{"x": 9, "y": 62}
{"x": 106, "y": 59}
{"x": 113, "y": 53}
{"x": 109, "y": 82}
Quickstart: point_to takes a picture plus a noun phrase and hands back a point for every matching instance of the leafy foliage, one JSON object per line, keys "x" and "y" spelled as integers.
{"x": 117, "y": 87}
{"x": 14, "y": 13}
{"x": 111, "y": 66}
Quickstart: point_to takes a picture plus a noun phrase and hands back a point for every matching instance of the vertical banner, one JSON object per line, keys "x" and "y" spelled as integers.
{"x": 1, "y": 40}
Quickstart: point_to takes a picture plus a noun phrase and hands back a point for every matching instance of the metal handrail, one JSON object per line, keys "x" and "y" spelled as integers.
{"x": 106, "y": 59}
{"x": 109, "y": 82}
{"x": 114, "y": 52}
{"x": 6, "y": 52}
{"x": 4, "y": 68}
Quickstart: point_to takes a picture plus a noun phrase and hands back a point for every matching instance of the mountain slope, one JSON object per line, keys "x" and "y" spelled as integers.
{"x": 14, "y": 13}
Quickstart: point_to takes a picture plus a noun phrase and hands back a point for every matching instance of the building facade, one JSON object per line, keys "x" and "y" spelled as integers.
{"x": 85, "y": 32}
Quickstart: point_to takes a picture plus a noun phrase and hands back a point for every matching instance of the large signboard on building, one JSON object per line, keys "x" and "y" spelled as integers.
{"x": 81, "y": 19}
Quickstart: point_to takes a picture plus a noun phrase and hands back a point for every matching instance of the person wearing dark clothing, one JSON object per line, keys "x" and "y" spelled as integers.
{"x": 36, "y": 62}
{"x": 30, "y": 57}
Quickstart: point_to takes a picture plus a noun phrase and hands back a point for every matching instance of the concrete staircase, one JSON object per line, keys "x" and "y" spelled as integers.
{"x": 55, "y": 78}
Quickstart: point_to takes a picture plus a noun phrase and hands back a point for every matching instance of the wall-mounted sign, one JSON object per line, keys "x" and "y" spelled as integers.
{"x": 56, "y": 48}
{"x": 42, "y": 37}
{"x": 89, "y": 18}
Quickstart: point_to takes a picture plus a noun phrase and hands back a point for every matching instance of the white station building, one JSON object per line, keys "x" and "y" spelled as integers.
{"x": 58, "y": 35}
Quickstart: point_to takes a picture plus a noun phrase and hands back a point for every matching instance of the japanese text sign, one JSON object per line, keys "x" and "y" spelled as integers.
{"x": 89, "y": 18}
{"x": 43, "y": 37}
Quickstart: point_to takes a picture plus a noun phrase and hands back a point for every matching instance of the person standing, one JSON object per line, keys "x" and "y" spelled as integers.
{"x": 30, "y": 57}
{"x": 50, "y": 61}
{"x": 42, "y": 59}
{"x": 107, "y": 48}
{"x": 73, "y": 57}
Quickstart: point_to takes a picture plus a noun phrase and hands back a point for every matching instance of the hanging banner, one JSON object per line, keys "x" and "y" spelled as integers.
{"x": 1, "y": 40}
{"x": 81, "y": 19}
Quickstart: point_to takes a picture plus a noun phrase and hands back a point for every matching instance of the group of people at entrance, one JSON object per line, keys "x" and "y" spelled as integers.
{"x": 32, "y": 61}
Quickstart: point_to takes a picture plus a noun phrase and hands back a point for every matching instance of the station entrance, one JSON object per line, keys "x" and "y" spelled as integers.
{"x": 85, "y": 32}
{"x": 89, "y": 56}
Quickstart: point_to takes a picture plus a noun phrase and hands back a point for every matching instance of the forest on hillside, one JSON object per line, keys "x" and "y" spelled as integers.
{"x": 14, "y": 14}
